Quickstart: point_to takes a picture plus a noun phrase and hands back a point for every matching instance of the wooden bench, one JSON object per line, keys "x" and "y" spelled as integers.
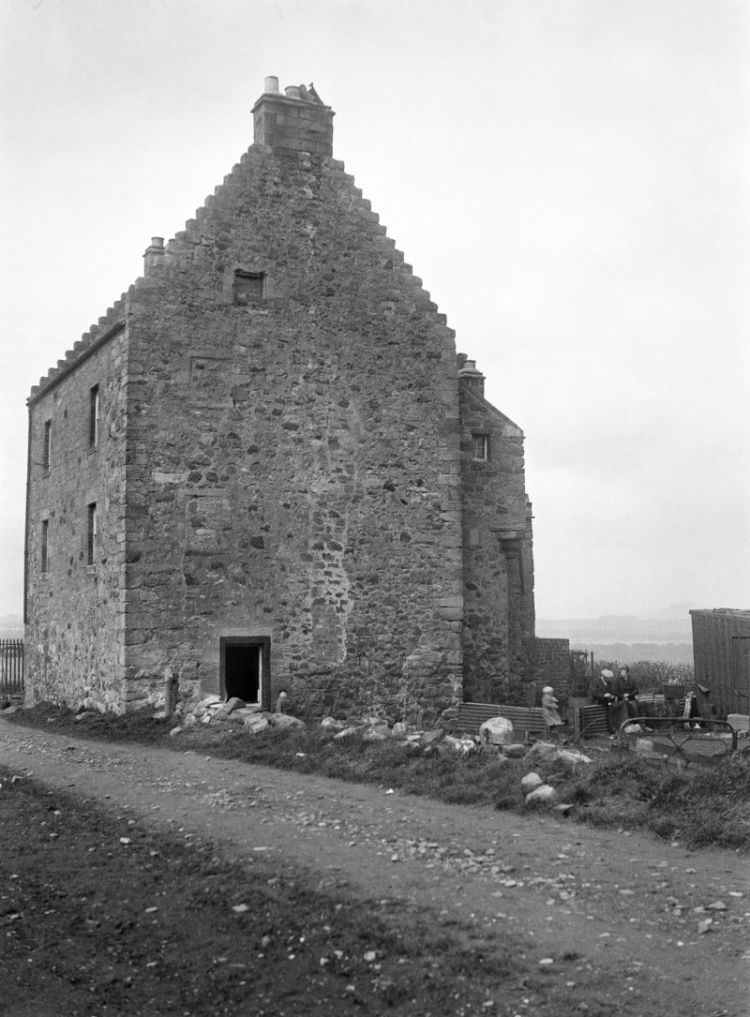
{"x": 525, "y": 719}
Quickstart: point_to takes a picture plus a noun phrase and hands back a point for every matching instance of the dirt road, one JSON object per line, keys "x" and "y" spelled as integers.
{"x": 663, "y": 930}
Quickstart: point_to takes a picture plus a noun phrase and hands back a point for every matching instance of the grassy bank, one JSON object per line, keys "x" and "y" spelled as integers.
{"x": 704, "y": 805}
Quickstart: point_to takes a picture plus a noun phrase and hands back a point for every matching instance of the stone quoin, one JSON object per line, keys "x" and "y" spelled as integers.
{"x": 267, "y": 469}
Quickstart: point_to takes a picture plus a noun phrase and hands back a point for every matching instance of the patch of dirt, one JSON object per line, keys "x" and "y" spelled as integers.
{"x": 433, "y": 909}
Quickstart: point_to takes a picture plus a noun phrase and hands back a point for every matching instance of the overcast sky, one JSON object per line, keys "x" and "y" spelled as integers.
{"x": 569, "y": 178}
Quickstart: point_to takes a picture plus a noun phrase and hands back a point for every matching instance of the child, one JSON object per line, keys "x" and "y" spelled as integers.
{"x": 552, "y": 716}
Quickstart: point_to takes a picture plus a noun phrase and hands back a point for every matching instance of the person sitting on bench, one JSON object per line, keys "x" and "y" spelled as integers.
{"x": 603, "y": 691}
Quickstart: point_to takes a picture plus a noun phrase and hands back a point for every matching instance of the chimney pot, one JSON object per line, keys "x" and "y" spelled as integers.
{"x": 292, "y": 92}
{"x": 153, "y": 256}
{"x": 469, "y": 375}
{"x": 271, "y": 84}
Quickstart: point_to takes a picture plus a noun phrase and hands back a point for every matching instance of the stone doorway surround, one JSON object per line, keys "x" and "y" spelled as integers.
{"x": 245, "y": 669}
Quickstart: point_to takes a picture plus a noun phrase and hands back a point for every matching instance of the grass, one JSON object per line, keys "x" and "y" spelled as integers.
{"x": 704, "y": 805}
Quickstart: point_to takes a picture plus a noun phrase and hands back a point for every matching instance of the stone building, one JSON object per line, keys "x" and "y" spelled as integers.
{"x": 266, "y": 468}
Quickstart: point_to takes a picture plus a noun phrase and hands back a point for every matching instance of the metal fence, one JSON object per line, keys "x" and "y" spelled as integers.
{"x": 11, "y": 667}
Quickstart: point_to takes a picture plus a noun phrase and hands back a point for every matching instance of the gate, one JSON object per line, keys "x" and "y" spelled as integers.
{"x": 11, "y": 668}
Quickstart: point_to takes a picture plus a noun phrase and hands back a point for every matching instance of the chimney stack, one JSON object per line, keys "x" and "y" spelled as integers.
{"x": 469, "y": 375}
{"x": 294, "y": 122}
{"x": 153, "y": 256}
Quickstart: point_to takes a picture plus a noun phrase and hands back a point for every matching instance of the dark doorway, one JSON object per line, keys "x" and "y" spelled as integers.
{"x": 245, "y": 670}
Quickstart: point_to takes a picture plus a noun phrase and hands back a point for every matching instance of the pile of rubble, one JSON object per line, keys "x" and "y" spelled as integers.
{"x": 215, "y": 710}
{"x": 496, "y": 736}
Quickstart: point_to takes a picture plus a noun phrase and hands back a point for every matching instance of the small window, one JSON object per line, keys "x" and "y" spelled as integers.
{"x": 249, "y": 287}
{"x": 47, "y": 444}
{"x": 44, "y": 563}
{"x": 481, "y": 446}
{"x": 91, "y": 532}
{"x": 94, "y": 417}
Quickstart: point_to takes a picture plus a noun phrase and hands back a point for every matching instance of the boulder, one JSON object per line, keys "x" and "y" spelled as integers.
{"x": 550, "y": 753}
{"x": 331, "y": 724}
{"x": 284, "y": 721}
{"x": 233, "y": 704}
{"x": 461, "y": 746}
{"x": 544, "y": 793}
{"x": 255, "y": 722}
{"x": 542, "y": 751}
{"x": 531, "y": 782}
{"x": 448, "y": 717}
{"x": 223, "y": 711}
{"x": 205, "y": 704}
{"x": 572, "y": 757}
{"x": 514, "y": 751}
{"x": 373, "y": 721}
{"x": 376, "y": 733}
{"x": 401, "y": 729}
{"x": 431, "y": 737}
{"x": 347, "y": 734}
{"x": 496, "y": 731}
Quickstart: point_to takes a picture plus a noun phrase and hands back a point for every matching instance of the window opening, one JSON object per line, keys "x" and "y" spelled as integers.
{"x": 249, "y": 287}
{"x": 245, "y": 669}
{"x": 45, "y": 545}
{"x": 91, "y": 533}
{"x": 94, "y": 417}
{"x": 481, "y": 446}
{"x": 47, "y": 444}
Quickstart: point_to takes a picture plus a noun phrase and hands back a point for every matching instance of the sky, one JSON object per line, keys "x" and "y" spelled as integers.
{"x": 567, "y": 177}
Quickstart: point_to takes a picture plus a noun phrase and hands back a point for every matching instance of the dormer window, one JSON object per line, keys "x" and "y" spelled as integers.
{"x": 249, "y": 287}
{"x": 480, "y": 447}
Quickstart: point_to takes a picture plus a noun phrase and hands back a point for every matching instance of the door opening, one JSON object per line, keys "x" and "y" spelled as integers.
{"x": 245, "y": 670}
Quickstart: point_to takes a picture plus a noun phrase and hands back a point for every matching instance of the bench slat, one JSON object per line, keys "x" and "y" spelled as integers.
{"x": 471, "y": 716}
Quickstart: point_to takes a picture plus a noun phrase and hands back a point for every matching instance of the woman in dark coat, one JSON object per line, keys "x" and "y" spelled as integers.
{"x": 628, "y": 691}
{"x": 602, "y": 691}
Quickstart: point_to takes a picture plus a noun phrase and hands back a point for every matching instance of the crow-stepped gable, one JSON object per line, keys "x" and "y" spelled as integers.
{"x": 267, "y": 469}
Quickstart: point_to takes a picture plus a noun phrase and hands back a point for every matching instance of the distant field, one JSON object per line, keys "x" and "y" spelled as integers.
{"x": 629, "y": 653}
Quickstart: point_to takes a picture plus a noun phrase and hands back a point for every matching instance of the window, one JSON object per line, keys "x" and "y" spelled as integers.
{"x": 44, "y": 564}
{"x": 91, "y": 534}
{"x": 47, "y": 444}
{"x": 480, "y": 446}
{"x": 249, "y": 287}
{"x": 94, "y": 417}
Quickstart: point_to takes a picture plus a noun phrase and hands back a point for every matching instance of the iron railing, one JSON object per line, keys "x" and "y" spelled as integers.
{"x": 11, "y": 667}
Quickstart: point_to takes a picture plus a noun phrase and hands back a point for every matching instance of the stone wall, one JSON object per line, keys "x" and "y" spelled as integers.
{"x": 498, "y": 558}
{"x": 286, "y": 460}
{"x": 293, "y": 456}
{"x": 74, "y": 622}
